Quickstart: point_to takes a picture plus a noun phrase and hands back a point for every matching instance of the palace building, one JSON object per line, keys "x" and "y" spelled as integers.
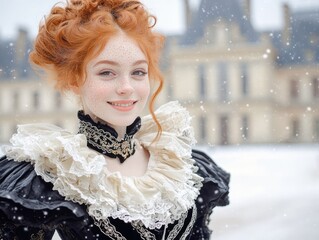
{"x": 240, "y": 85}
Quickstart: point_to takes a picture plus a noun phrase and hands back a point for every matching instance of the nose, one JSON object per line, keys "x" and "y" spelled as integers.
{"x": 125, "y": 87}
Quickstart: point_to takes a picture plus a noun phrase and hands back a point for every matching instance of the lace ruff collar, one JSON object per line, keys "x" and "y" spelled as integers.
{"x": 104, "y": 138}
{"x": 159, "y": 197}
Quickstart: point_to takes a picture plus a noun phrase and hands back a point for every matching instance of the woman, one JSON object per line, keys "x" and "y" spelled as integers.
{"x": 120, "y": 177}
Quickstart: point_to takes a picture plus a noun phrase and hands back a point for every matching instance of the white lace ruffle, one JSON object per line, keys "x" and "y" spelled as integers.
{"x": 159, "y": 197}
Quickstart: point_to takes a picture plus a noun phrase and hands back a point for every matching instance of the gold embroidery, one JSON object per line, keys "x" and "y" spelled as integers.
{"x": 106, "y": 142}
{"x": 38, "y": 236}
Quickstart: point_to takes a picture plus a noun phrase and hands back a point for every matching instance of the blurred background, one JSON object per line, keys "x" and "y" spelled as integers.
{"x": 247, "y": 70}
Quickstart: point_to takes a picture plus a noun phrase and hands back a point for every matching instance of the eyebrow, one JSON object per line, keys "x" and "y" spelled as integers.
{"x": 117, "y": 64}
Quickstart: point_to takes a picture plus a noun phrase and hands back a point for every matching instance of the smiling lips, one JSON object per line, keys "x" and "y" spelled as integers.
{"x": 124, "y": 105}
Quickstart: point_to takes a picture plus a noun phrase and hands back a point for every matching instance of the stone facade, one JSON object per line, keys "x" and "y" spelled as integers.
{"x": 241, "y": 86}
{"x": 34, "y": 101}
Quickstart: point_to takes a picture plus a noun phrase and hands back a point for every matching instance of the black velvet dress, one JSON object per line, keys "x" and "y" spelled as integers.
{"x": 33, "y": 206}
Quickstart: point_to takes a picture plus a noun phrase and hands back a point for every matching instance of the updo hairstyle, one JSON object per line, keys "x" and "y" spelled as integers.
{"x": 77, "y": 31}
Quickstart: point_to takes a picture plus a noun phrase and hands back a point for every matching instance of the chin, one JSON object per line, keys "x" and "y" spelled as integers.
{"x": 121, "y": 121}
{"x": 125, "y": 123}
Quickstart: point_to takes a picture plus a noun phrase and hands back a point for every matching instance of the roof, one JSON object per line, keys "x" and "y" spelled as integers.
{"x": 14, "y": 61}
{"x": 304, "y": 40}
{"x": 215, "y": 11}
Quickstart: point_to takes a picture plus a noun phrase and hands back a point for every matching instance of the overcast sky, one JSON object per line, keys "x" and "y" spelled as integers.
{"x": 266, "y": 14}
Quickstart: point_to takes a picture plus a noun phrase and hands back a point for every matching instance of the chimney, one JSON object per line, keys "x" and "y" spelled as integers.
{"x": 21, "y": 44}
{"x": 188, "y": 13}
{"x": 286, "y": 32}
{"x": 247, "y": 8}
{"x": 21, "y": 55}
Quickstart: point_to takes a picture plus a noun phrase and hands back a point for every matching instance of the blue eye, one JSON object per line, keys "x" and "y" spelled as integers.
{"x": 139, "y": 73}
{"x": 106, "y": 73}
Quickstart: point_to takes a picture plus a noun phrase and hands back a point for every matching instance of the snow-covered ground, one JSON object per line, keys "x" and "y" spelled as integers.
{"x": 274, "y": 193}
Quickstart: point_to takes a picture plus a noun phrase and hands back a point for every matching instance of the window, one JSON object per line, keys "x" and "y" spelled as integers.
{"x": 315, "y": 87}
{"x": 316, "y": 129}
{"x": 36, "y": 100}
{"x": 16, "y": 99}
{"x": 58, "y": 100}
{"x": 294, "y": 89}
{"x": 245, "y": 127}
{"x": 203, "y": 132}
{"x": 244, "y": 79}
{"x": 224, "y": 130}
{"x": 314, "y": 39}
{"x": 223, "y": 81}
{"x": 309, "y": 55}
{"x": 202, "y": 81}
{"x": 295, "y": 126}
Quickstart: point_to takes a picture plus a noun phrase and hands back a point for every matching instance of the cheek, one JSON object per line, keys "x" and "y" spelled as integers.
{"x": 94, "y": 92}
{"x": 144, "y": 89}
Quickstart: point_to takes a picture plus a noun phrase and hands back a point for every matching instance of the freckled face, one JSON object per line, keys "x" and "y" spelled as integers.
{"x": 117, "y": 84}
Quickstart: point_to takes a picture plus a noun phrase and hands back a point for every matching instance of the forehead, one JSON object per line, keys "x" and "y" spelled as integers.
{"x": 119, "y": 48}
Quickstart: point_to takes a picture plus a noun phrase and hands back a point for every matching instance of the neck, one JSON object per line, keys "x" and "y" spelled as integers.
{"x": 115, "y": 142}
{"x": 120, "y": 130}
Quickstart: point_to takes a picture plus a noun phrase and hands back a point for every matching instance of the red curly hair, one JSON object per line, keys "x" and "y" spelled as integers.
{"x": 74, "y": 33}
